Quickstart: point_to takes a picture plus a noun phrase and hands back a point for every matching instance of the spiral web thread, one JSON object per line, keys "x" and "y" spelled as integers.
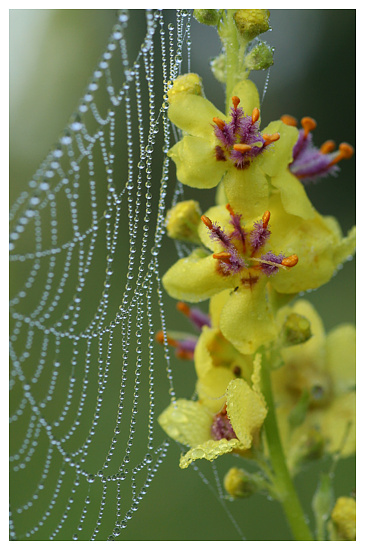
{"x": 86, "y": 299}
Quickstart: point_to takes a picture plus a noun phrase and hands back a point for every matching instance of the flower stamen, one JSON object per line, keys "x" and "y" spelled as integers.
{"x": 270, "y": 138}
{"x": 219, "y": 122}
{"x": 289, "y": 120}
{"x": 255, "y": 115}
{"x": 235, "y": 100}
{"x": 308, "y": 125}
{"x": 327, "y": 147}
{"x": 345, "y": 152}
{"x": 242, "y": 147}
{"x": 223, "y": 257}
{"x": 290, "y": 261}
{"x": 207, "y": 221}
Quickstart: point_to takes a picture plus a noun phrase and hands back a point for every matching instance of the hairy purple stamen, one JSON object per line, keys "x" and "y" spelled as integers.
{"x": 222, "y": 428}
{"x": 269, "y": 269}
{"x": 259, "y": 235}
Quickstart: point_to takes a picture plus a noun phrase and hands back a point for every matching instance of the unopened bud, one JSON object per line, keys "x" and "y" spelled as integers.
{"x": 343, "y": 518}
{"x": 189, "y": 83}
{"x": 207, "y": 17}
{"x": 261, "y": 57}
{"x": 239, "y": 483}
{"x": 183, "y": 220}
{"x": 296, "y": 330}
{"x": 251, "y": 23}
{"x": 218, "y": 67}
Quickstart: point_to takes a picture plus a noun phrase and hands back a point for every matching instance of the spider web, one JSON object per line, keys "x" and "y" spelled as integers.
{"x": 86, "y": 299}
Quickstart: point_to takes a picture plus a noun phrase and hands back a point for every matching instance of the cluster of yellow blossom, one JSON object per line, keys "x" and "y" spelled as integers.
{"x": 260, "y": 245}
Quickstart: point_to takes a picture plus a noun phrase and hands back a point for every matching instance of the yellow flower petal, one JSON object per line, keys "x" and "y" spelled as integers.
{"x": 196, "y": 164}
{"x": 246, "y": 319}
{"x": 195, "y": 278}
{"x": 293, "y": 195}
{"x": 246, "y": 409}
{"x": 247, "y": 190}
{"x": 280, "y": 154}
{"x": 194, "y": 115}
{"x": 186, "y": 421}
{"x": 210, "y": 450}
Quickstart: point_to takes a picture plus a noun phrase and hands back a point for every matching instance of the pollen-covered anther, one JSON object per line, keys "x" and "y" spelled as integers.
{"x": 266, "y": 219}
{"x": 236, "y": 101}
{"x": 290, "y": 261}
{"x": 255, "y": 115}
{"x": 223, "y": 257}
{"x": 345, "y": 151}
{"x": 327, "y": 147}
{"x": 207, "y": 221}
{"x": 270, "y": 138}
{"x": 308, "y": 124}
{"x": 242, "y": 147}
{"x": 289, "y": 120}
{"x": 219, "y": 122}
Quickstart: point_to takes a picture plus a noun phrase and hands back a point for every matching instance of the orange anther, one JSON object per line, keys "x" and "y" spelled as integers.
{"x": 327, "y": 147}
{"x": 290, "y": 261}
{"x": 206, "y": 221}
{"x": 242, "y": 147}
{"x": 345, "y": 152}
{"x": 183, "y": 308}
{"x": 270, "y": 138}
{"x": 230, "y": 209}
{"x": 308, "y": 124}
{"x": 159, "y": 337}
{"x": 289, "y": 120}
{"x": 235, "y": 101}
{"x": 266, "y": 219}
{"x": 219, "y": 122}
{"x": 255, "y": 115}
{"x": 222, "y": 256}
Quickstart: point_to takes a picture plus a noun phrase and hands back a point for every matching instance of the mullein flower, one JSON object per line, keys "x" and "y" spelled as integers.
{"x": 246, "y": 257}
{"x": 233, "y": 149}
{"x": 323, "y": 369}
{"x": 235, "y": 427}
{"x": 310, "y": 163}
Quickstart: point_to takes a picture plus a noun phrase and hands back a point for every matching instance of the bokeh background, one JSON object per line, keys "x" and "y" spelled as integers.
{"x": 52, "y": 55}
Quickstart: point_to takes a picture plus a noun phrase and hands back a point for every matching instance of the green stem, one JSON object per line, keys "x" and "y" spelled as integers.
{"x": 234, "y": 47}
{"x": 283, "y": 482}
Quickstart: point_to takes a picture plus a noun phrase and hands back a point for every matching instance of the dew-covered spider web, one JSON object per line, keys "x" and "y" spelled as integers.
{"x": 87, "y": 374}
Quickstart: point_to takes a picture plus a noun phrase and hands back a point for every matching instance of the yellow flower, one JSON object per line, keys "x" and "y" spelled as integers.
{"x": 231, "y": 429}
{"x": 232, "y": 149}
{"x": 322, "y": 369}
{"x": 242, "y": 263}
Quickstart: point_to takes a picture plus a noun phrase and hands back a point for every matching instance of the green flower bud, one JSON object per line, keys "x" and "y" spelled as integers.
{"x": 296, "y": 330}
{"x": 218, "y": 67}
{"x": 239, "y": 483}
{"x": 207, "y": 17}
{"x": 183, "y": 220}
{"x": 344, "y": 519}
{"x": 189, "y": 83}
{"x": 261, "y": 57}
{"x": 251, "y": 23}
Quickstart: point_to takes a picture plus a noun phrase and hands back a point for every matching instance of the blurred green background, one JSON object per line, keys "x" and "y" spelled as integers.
{"x": 52, "y": 56}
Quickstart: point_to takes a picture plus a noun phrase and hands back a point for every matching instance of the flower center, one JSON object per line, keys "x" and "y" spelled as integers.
{"x": 222, "y": 427}
{"x": 242, "y": 249}
{"x": 240, "y": 140}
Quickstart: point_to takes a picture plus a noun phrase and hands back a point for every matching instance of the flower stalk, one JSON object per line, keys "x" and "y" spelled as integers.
{"x": 285, "y": 490}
